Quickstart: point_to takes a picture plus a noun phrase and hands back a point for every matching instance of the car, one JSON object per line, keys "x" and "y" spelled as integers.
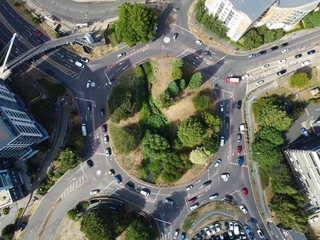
{"x": 246, "y": 227}
{"x": 230, "y": 234}
{"x": 202, "y": 233}
{"x": 305, "y": 63}
{"x": 253, "y": 222}
{"x": 32, "y": 60}
{"x": 227, "y": 120}
{"x": 111, "y": 81}
{"x": 218, "y": 228}
{"x": 106, "y": 139}
{"x": 251, "y": 55}
{"x": 221, "y": 237}
{"x": 285, "y": 44}
{"x": 85, "y": 60}
{"x": 239, "y": 137}
{"x": 191, "y": 200}
{"x": 221, "y": 141}
{"x": 90, "y": 163}
{"x": 315, "y": 210}
{"x": 94, "y": 192}
{"x": 71, "y": 60}
{"x": 314, "y": 219}
{"x": 217, "y": 163}
{"x": 244, "y": 191}
{"x": 39, "y": 33}
{"x": 38, "y": 40}
{"x": 118, "y": 179}
{"x": 266, "y": 66}
{"x": 207, "y": 231}
{"x": 206, "y": 183}
{"x": 260, "y": 83}
{"x": 194, "y": 206}
{"x": 102, "y": 112}
{"x": 285, "y": 50}
{"x": 199, "y": 42}
{"x": 89, "y": 106}
{"x": 311, "y": 52}
{"x": 207, "y": 53}
{"x": 183, "y": 236}
{"x": 214, "y": 196}
{"x": 129, "y": 186}
{"x": 228, "y": 198}
{"x": 304, "y": 132}
{"x": 239, "y": 104}
{"x": 240, "y": 161}
{"x": 112, "y": 172}
{"x": 175, "y": 35}
{"x": 243, "y": 209}
{"x": 189, "y": 187}
{"x": 104, "y": 128}
{"x": 274, "y": 48}
{"x": 298, "y": 56}
{"x": 260, "y": 233}
{"x": 225, "y": 176}
{"x": 176, "y": 234}
{"x": 280, "y": 73}
{"x": 262, "y": 52}
{"x": 239, "y": 150}
{"x": 169, "y": 201}
{"x": 226, "y": 225}
{"x": 108, "y": 152}
{"x": 213, "y": 230}
{"x": 231, "y": 226}
{"x": 121, "y": 55}
{"x": 60, "y": 54}
{"x": 22, "y": 226}
{"x": 245, "y": 76}
{"x": 89, "y": 83}
{"x": 251, "y": 236}
{"x": 282, "y": 61}
{"x": 221, "y": 107}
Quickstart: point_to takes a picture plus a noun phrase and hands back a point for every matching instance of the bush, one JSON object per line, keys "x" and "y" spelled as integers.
{"x": 72, "y": 214}
{"x": 164, "y": 100}
{"x": 298, "y": 80}
{"x": 124, "y": 141}
{"x": 177, "y": 66}
{"x": 36, "y": 20}
{"x": 147, "y": 67}
{"x": 155, "y": 122}
{"x": 7, "y": 232}
{"x": 173, "y": 89}
{"x": 201, "y": 102}
{"x": 199, "y": 156}
{"x": 182, "y": 84}
{"x": 58, "y": 35}
{"x": 16, "y": 4}
{"x": 6, "y": 210}
{"x": 145, "y": 113}
{"x": 26, "y": 11}
{"x": 195, "y": 81}
{"x": 123, "y": 111}
{"x": 190, "y": 132}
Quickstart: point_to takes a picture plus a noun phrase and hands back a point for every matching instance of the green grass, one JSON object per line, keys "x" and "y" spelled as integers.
{"x": 54, "y": 90}
{"x": 20, "y": 211}
{"x": 44, "y": 113}
{"x": 190, "y": 220}
{"x": 25, "y": 89}
{"x": 264, "y": 178}
{"x": 315, "y": 78}
{"x": 109, "y": 35}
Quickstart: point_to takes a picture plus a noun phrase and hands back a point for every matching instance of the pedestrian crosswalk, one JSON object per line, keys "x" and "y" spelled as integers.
{"x": 74, "y": 184}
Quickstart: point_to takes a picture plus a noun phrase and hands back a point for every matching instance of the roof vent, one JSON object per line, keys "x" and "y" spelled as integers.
{"x": 277, "y": 2}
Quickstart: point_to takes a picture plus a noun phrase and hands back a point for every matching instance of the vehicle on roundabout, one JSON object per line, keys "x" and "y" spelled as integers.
{"x": 191, "y": 200}
{"x": 206, "y": 183}
{"x": 118, "y": 179}
{"x": 194, "y": 206}
{"x": 112, "y": 172}
{"x": 225, "y": 176}
{"x": 243, "y": 209}
{"x": 214, "y": 196}
{"x": 90, "y": 163}
{"x": 175, "y": 36}
{"x": 244, "y": 191}
{"x": 108, "y": 152}
{"x": 199, "y": 42}
{"x": 217, "y": 163}
{"x": 189, "y": 187}
{"x": 207, "y": 53}
{"x": 94, "y": 192}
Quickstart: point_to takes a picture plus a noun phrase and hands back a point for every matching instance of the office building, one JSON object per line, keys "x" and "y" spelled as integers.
{"x": 304, "y": 159}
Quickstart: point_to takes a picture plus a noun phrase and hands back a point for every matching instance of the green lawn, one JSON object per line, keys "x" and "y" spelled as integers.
{"x": 25, "y": 88}
{"x": 44, "y": 113}
{"x": 54, "y": 90}
{"x": 264, "y": 178}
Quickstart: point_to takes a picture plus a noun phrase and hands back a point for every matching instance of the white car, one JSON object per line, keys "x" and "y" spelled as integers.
{"x": 213, "y": 230}
{"x": 285, "y": 50}
{"x": 265, "y": 66}
{"x": 225, "y": 176}
{"x": 231, "y": 226}
{"x": 218, "y": 229}
{"x": 89, "y": 83}
{"x": 207, "y": 232}
{"x": 305, "y": 63}
{"x": 313, "y": 219}
{"x": 107, "y": 152}
{"x": 194, "y": 206}
{"x": 176, "y": 234}
{"x": 199, "y": 42}
{"x": 189, "y": 187}
{"x": 217, "y": 163}
{"x": 245, "y": 76}
{"x": 282, "y": 61}
{"x": 105, "y": 139}
{"x": 230, "y": 234}
{"x": 94, "y": 192}
{"x": 221, "y": 107}
{"x": 259, "y": 83}
{"x": 260, "y": 233}
{"x": 243, "y": 209}
{"x": 86, "y": 60}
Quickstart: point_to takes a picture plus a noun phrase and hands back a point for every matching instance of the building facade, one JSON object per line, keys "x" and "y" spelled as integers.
{"x": 304, "y": 159}
{"x": 241, "y": 15}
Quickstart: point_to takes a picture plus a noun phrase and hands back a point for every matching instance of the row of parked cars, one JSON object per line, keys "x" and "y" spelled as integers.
{"x": 272, "y": 49}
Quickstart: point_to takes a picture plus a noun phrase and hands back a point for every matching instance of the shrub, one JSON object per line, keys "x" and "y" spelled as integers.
{"x": 201, "y": 102}
{"x": 298, "y": 80}
{"x": 6, "y": 210}
{"x": 7, "y": 232}
{"x": 177, "y": 66}
{"x": 164, "y": 100}
{"x": 26, "y": 11}
{"x": 195, "y": 81}
{"x": 182, "y": 84}
{"x": 173, "y": 89}
{"x": 190, "y": 132}
{"x": 36, "y": 20}
{"x": 123, "y": 111}
{"x": 199, "y": 156}
{"x": 124, "y": 141}
{"x": 145, "y": 113}
{"x": 16, "y": 4}
{"x": 72, "y": 214}
{"x": 155, "y": 122}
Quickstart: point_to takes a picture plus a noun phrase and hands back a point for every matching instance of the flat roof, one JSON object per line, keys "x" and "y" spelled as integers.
{"x": 4, "y": 134}
{"x": 294, "y": 3}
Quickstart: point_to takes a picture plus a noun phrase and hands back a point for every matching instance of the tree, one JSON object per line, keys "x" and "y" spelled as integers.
{"x": 298, "y": 80}
{"x": 199, "y": 156}
{"x": 265, "y": 153}
{"x": 210, "y": 119}
{"x": 172, "y": 168}
{"x": 173, "y": 89}
{"x": 164, "y": 100}
{"x": 195, "y": 81}
{"x": 136, "y": 24}
{"x": 252, "y": 39}
{"x": 72, "y": 214}
{"x": 8, "y": 232}
{"x": 262, "y": 30}
{"x": 201, "y": 102}
{"x": 269, "y": 37}
{"x": 68, "y": 159}
{"x": 270, "y": 134}
{"x": 178, "y": 63}
{"x": 182, "y": 84}
{"x": 123, "y": 140}
{"x": 138, "y": 229}
{"x": 190, "y": 132}
{"x": 155, "y": 146}
{"x": 177, "y": 66}
{"x": 211, "y": 143}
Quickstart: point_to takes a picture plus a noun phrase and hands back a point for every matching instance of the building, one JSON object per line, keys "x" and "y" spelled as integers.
{"x": 241, "y": 15}
{"x": 304, "y": 159}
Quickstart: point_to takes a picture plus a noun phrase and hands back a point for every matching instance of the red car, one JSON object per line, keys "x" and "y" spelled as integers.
{"x": 245, "y": 191}
{"x": 104, "y": 128}
{"x": 192, "y": 200}
{"x": 38, "y": 32}
{"x": 239, "y": 149}
{"x": 38, "y": 40}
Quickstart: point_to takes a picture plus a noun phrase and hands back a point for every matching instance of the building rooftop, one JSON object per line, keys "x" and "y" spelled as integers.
{"x": 294, "y": 3}
{"x": 254, "y": 8}
{"x": 4, "y": 134}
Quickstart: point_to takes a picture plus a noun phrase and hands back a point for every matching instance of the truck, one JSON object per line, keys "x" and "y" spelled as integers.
{"x": 233, "y": 79}
{"x": 242, "y": 128}
{"x": 84, "y": 130}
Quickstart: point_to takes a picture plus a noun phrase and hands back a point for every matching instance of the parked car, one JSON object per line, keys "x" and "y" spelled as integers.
{"x": 265, "y": 66}
{"x": 304, "y": 132}
{"x": 85, "y": 60}
{"x": 231, "y": 226}
{"x": 106, "y": 139}
{"x": 282, "y": 61}
{"x": 230, "y": 235}
{"x": 213, "y": 230}
{"x": 90, "y": 163}
{"x": 217, "y": 163}
{"x": 239, "y": 137}
{"x": 260, "y": 233}
{"x": 22, "y": 226}
{"x": 285, "y": 44}
{"x": 176, "y": 234}
{"x": 285, "y": 50}
{"x": 274, "y": 48}
{"x": 298, "y": 56}
{"x": 311, "y": 52}
{"x": 244, "y": 191}
{"x": 89, "y": 106}
{"x": 38, "y": 40}
{"x": 239, "y": 104}
{"x": 243, "y": 209}
{"x": 280, "y": 73}
{"x": 39, "y": 33}
{"x": 102, "y": 112}
{"x": 183, "y": 236}
{"x": 194, "y": 206}
{"x": 305, "y": 63}
{"x": 259, "y": 83}
{"x": 217, "y": 226}
{"x": 207, "y": 231}
{"x": 239, "y": 150}
{"x": 104, "y": 128}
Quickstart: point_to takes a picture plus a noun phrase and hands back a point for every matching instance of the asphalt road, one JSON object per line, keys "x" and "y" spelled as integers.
{"x": 77, "y": 183}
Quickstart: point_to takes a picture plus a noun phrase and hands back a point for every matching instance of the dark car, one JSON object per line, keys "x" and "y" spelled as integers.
{"x": 253, "y": 222}
{"x": 239, "y": 104}
{"x": 262, "y": 52}
{"x": 207, "y": 183}
{"x": 129, "y": 186}
{"x": 207, "y": 53}
{"x": 228, "y": 198}
{"x": 102, "y": 112}
{"x": 23, "y": 226}
{"x": 226, "y": 225}
{"x": 311, "y": 52}
{"x": 89, "y": 106}
{"x": 169, "y": 201}
{"x": 240, "y": 161}
{"x": 274, "y": 48}
{"x": 38, "y": 32}
{"x": 118, "y": 179}
{"x": 284, "y": 44}
{"x": 104, "y": 128}
{"x": 280, "y": 73}
{"x": 175, "y": 36}
{"x": 227, "y": 119}
{"x": 90, "y": 163}
{"x": 298, "y": 55}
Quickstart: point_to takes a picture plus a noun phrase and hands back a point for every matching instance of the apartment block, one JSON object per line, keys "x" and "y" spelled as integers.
{"x": 304, "y": 159}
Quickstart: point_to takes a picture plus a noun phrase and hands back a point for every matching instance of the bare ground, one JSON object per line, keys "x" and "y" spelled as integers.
{"x": 69, "y": 230}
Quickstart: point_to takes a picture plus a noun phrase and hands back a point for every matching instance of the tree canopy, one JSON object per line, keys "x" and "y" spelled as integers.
{"x": 298, "y": 80}
{"x": 68, "y": 159}
{"x": 211, "y": 143}
{"x": 8, "y": 232}
{"x": 201, "y": 102}
{"x": 155, "y": 146}
{"x": 190, "y": 132}
{"x": 270, "y": 134}
{"x": 210, "y": 119}
{"x": 199, "y": 156}
{"x": 195, "y": 81}
{"x": 123, "y": 140}
{"x": 136, "y": 24}
{"x": 139, "y": 229}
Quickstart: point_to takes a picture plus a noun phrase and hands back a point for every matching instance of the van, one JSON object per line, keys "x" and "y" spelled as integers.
{"x": 236, "y": 229}
{"x": 84, "y": 129}
{"x": 144, "y": 193}
{"x": 221, "y": 141}
{"x": 79, "y": 64}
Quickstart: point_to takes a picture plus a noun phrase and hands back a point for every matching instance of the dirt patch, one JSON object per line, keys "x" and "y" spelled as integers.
{"x": 69, "y": 230}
